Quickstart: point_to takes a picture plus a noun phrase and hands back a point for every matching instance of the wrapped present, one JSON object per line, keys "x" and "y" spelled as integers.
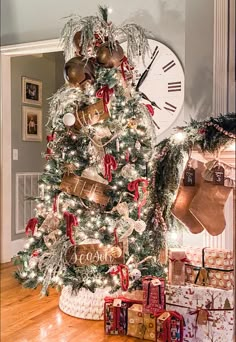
{"x": 169, "y": 327}
{"x": 208, "y": 312}
{"x": 134, "y": 295}
{"x": 115, "y": 315}
{"x": 177, "y": 260}
{"x": 209, "y": 266}
{"x": 136, "y": 326}
{"x": 149, "y": 321}
{"x": 153, "y": 294}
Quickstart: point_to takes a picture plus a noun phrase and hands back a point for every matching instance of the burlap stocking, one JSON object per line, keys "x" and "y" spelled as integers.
{"x": 208, "y": 206}
{"x": 184, "y": 198}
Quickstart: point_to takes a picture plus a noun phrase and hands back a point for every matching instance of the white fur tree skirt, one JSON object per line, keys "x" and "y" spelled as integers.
{"x": 84, "y": 304}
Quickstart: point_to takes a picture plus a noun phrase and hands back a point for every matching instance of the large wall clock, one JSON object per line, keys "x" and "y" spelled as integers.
{"x": 163, "y": 84}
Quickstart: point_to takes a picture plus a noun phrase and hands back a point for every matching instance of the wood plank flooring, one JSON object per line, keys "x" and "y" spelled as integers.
{"x": 25, "y": 317}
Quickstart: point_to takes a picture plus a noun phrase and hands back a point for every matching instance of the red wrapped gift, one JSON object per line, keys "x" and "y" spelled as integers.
{"x": 115, "y": 314}
{"x": 170, "y": 325}
{"x": 153, "y": 294}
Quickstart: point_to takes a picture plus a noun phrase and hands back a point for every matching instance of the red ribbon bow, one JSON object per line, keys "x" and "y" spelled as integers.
{"x": 31, "y": 225}
{"x": 125, "y": 65}
{"x": 109, "y": 164}
{"x": 71, "y": 220}
{"x": 123, "y": 271}
{"x": 51, "y": 137}
{"x": 150, "y": 109}
{"x": 104, "y": 94}
{"x": 54, "y": 206}
{"x": 133, "y": 186}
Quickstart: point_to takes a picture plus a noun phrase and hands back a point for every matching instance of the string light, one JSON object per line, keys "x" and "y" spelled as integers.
{"x": 179, "y": 137}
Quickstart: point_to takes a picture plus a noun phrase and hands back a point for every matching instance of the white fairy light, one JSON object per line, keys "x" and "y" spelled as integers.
{"x": 126, "y": 110}
{"x": 174, "y": 235}
{"x": 79, "y": 211}
{"x": 40, "y": 279}
{"x": 88, "y": 282}
{"x": 38, "y": 234}
{"x": 47, "y": 167}
{"x": 109, "y": 10}
{"x": 23, "y": 274}
{"x": 32, "y": 275}
{"x": 72, "y": 152}
{"x": 73, "y": 137}
{"x": 114, "y": 187}
{"x": 47, "y": 197}
{"x": 179, "y": 137}
{"x": 92, "y": 212}
{"x": 31, "y": 240}
{"x": 59, "y": 232}
{"x": 48, "y": 187}
{"x": 96, "y": 235}
{"x": 116, "y": 280}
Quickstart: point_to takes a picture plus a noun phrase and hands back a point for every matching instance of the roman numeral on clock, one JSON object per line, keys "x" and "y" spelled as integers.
{"x": 170, "y": 107}
{"x": 174, "y": 86}
{"x": 168, "y": 66}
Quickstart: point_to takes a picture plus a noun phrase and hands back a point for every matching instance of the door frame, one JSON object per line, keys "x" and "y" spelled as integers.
{"x": 7, "y": 246}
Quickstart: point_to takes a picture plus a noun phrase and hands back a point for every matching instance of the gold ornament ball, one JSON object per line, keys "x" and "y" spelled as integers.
{"x": 115, "y": 252}
{"x": 77, "y": 71}
{"x": 109, "y": 56}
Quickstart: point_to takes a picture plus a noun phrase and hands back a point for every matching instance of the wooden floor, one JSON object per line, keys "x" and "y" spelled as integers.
{"x": 26, "y": 317}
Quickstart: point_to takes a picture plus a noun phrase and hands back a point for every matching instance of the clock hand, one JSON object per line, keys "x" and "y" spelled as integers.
{"x": 144, "y": 96}
{"x": 145, "y": 73}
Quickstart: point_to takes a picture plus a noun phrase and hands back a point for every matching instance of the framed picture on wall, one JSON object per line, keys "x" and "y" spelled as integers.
{"x": 31, "y": 123}
{"x": 31, "y": 91}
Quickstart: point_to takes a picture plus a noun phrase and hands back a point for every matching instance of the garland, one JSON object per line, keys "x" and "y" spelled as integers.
{"x": 210, "y": 136}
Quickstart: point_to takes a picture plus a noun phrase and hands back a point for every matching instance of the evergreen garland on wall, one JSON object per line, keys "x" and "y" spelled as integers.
{"x": 171, "y": 156}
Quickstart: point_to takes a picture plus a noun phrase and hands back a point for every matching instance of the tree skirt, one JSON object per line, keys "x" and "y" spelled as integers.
{"x": 84, "y": 304}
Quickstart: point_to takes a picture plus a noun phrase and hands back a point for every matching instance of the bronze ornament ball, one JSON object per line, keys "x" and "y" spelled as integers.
{"x": 78, "y": 70}
{"x": 110, "y": 58}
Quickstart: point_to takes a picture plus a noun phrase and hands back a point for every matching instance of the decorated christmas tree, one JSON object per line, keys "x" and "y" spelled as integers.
{"x": 93, "y": 224}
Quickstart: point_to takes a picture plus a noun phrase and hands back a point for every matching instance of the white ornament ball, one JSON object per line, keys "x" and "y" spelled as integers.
{"x": 135, "y": 274}
{"x": 68, "y": 119}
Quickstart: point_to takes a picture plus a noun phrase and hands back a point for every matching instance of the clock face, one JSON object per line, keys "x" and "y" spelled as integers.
{"x": 164, "y": 83}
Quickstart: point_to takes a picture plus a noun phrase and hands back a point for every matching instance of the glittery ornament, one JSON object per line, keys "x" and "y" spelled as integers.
{"x": 135, "y": 274}
{"x": 132, "y": 123}
{"x": 115, "y": 252}
{"x": 129, "y": 172}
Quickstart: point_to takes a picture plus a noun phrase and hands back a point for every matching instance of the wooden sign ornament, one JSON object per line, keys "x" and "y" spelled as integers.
{"x": 94, "y": 254}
